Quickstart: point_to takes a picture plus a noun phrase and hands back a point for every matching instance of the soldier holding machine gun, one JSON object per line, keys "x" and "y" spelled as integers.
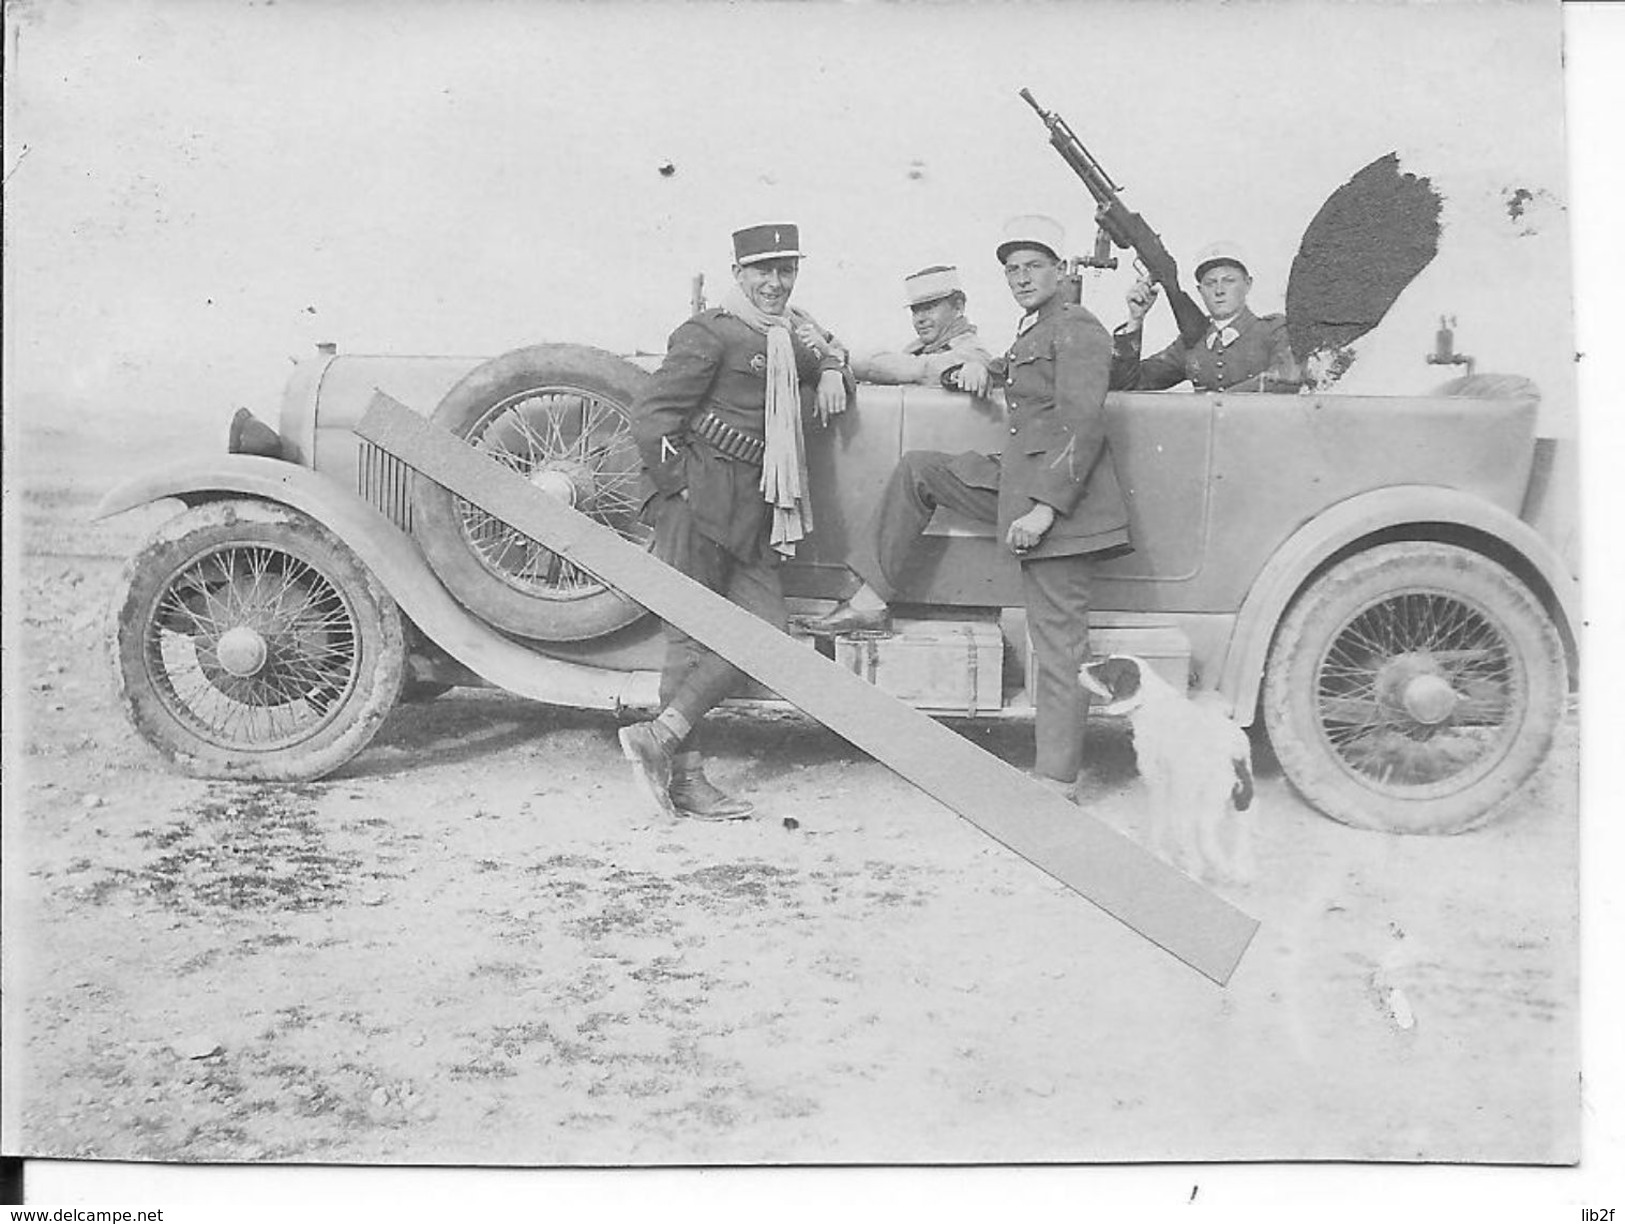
{"x": 1223, "y": 348}
{"x": 1239, "y": 351}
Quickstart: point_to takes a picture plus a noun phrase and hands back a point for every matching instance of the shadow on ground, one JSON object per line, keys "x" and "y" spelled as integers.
{"x": 472, "y": 724}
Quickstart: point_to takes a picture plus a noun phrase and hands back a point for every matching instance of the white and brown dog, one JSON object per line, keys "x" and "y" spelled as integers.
{"x": 1196, "y": 764}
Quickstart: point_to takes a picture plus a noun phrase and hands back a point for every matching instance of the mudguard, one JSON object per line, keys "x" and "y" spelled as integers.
{"x": 393, "y": 557}
{"x": 1423, "y": 508}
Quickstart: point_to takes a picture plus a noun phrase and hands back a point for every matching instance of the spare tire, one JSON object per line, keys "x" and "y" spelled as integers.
{"x": 560, "y": 415}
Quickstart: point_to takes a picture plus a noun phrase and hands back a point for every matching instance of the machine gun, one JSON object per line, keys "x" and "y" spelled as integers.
{"x": 1116, "y": 224}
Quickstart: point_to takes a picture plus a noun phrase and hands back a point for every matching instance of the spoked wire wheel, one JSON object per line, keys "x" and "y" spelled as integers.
{"x": 1414, "y": 686}
{"x": 559, "y": 415}
{"x": 251, "y": 643}
{"x": 568, "y": 442}
{"x": 1420, "y": 693}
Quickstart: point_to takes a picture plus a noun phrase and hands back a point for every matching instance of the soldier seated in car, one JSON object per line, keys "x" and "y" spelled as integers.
{"x": 945, "y": 340}
{"x": 1241, "y": 351}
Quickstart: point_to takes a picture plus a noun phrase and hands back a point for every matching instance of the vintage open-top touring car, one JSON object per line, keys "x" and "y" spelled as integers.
{"x": 1360, "y": 572}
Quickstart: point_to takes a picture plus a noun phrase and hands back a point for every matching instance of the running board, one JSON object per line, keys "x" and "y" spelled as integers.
{"x": 1081, "y": 851}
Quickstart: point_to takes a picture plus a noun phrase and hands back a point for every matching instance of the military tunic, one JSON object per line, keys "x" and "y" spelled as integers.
{"x": 716, "y": 364}
{"x": 925, "y": 363}
{"x": 1055, "y": 378}
{"x": 1257, "y": 358}
{"x": 715, "y": 371}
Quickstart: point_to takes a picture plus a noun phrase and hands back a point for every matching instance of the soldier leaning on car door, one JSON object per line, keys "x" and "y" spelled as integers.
{"x": 943, "y": 337}
{"x": 1240, "y": 352}
{"x": 719, "y": 431}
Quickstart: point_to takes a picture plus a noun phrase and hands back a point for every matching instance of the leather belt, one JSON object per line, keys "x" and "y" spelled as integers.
{"x": 728, "y": 439}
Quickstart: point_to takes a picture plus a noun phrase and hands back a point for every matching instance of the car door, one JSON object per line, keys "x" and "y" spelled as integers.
{"x": 1161, "y": 444}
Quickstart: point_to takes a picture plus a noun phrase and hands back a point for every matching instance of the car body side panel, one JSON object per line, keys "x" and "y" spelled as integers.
{"x": 848, "y": 462}
{"x": 1223, "y": 490}
{"x": 1281, "y": 460}
{"x": 1161, "y": 445}
{"x": 1215, "y": 483}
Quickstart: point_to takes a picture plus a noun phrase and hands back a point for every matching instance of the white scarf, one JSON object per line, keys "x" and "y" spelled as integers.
{"x": 784, "y": 458}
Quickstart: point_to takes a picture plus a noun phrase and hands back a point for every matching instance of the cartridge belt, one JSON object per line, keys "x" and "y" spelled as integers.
{"x": 728, "y": 439}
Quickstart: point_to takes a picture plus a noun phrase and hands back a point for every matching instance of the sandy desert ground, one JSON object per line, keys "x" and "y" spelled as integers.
{"x": 472, "y": 945}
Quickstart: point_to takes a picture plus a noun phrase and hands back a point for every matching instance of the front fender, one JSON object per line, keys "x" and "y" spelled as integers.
{"x": 200, "y": 480}
{"x": 1404, "y": 511}
{"x": 393, "y": 557}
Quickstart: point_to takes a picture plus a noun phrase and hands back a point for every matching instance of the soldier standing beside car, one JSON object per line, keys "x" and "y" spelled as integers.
{"x": 1053, "y": 491}
{"x": 1240, "y": 352}
{"x": 719, "y": 431}
{"x": 944, "y": 337}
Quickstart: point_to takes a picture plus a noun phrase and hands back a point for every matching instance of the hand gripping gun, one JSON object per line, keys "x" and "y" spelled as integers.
{"x": 1116, "y": 225}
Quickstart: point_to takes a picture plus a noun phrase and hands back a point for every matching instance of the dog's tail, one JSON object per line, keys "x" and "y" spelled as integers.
{"x": 1241, "y": 794}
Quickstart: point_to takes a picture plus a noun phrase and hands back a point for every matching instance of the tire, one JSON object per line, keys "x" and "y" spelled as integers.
{"x": 559, "y": 414}
{"x": 1413, "y": 687}
{"x": 250, "y": 643}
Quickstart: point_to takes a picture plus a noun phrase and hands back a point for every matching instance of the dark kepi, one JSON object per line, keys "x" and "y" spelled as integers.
{"x": 758, "y": 242}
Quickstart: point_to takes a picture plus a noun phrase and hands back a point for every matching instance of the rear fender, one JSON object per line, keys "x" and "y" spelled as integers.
{"x": 1401, "y": 512}
{"x": 394, "y": 558}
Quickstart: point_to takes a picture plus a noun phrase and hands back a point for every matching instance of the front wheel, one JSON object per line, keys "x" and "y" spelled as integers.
{"x": 1412, "y": 687}
{"x": 251, "y": 643}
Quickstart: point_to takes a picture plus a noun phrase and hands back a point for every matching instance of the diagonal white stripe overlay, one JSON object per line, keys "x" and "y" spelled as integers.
{"x": 1082, "y": 852}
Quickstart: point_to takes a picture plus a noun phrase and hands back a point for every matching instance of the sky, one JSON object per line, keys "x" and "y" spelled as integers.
{"x": 200, "y": 190}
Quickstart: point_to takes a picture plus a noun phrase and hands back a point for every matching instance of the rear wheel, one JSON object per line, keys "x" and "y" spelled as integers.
{"x": 251, "y": 643}
{"x": 1412, "y": 687}
{"x": 560, "y": 415}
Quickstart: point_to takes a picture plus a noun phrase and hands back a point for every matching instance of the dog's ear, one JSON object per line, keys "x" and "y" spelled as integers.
{"x": 1125, "y": 676}
{"x": 1112, "y": 679}
{"x": 1094, "y": 681}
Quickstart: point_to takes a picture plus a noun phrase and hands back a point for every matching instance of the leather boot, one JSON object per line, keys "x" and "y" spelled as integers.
{"x": 694, "y": 795}
{"x": 844, "y": 620}
{"x": 649, "y": 746}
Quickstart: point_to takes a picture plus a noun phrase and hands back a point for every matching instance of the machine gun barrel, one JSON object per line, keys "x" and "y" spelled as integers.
{"x": 1074, "y": 153}
{"x": 1126, "y": 228}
